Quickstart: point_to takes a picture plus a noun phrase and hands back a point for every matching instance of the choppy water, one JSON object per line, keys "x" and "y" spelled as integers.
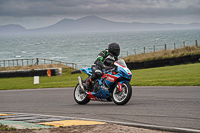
{"x": 82, "y": 48}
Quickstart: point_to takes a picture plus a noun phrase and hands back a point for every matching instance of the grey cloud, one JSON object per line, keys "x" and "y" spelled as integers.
{"x": 129, "y": 8}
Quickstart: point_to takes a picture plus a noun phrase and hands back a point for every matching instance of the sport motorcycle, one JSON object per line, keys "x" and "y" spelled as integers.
{"x": 112, "y": 86}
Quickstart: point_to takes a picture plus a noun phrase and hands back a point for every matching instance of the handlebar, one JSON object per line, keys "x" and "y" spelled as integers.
{"x": 110, "y": 69}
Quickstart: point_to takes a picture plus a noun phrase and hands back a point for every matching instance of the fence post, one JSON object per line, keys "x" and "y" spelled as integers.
{"x": 144, "y": 50}
{"x": 174, "y": 46}
{"x": 154, "y": 48}
{"x": 135, "y": 51}
{"x": 196, "y": 43}
{"x": 4, "y": 63}
{"x": 37, "y": 61}
{"x": 22, "y": 62}
{"x": 165, "y": 46}
{"x": 13, "y": 62}
{"x": 184, "y": 44}
{"x": 127, "y": 53}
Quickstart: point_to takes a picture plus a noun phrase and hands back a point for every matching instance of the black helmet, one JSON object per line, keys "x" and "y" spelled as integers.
{"x": 114, "y": 49}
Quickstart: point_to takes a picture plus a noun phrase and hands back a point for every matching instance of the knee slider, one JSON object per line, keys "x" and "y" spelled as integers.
{"x": 98, "y": 73}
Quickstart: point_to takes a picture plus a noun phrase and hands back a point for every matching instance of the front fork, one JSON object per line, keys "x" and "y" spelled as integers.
{"x": 120, "y": 86}
{"x": 80, "y": 81}
{"x": 120, "y": 83}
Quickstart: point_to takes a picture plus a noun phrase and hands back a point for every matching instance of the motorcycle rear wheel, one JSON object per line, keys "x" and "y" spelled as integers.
{"x": 122, "y": 97}
{"x": 80, "y": 96}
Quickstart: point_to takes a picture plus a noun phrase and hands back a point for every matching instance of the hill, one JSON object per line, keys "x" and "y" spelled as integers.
{"x": 12, "y": 28}
{"x": 96, "y": 24}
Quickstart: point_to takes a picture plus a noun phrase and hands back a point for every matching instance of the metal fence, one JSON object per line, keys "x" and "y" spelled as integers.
{"x": 36, "y": 61}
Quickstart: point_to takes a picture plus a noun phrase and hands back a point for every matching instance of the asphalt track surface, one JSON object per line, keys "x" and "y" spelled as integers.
{"x": 161, "y": 106}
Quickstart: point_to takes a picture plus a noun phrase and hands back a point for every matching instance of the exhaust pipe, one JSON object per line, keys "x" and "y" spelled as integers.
{"x": 81, "y": 83}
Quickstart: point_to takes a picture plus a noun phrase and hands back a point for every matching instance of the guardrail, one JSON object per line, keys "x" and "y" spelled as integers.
{"x": 36, "y": 61}
{"x": 31, "y": 73}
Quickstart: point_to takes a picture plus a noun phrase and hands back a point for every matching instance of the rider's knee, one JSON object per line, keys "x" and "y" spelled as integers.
{"x": 98, "y": 73}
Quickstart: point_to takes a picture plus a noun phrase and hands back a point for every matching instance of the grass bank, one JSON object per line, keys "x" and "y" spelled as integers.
{"x": 180, "y": 75}
{"x": 164, "y": 54}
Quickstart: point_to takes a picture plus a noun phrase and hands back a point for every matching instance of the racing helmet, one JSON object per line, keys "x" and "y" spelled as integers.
{"x": 114, "y": 49}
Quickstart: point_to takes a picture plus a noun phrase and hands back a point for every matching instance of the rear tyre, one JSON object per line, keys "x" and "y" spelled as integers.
{"x": 122, "y": 97}
{"x": 80, "y": 96}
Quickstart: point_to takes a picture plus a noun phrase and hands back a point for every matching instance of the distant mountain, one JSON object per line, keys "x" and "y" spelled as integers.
{"x": 12, "y": 28}
{"x": 85, "y": 24}
{"x": 96, "y": 24}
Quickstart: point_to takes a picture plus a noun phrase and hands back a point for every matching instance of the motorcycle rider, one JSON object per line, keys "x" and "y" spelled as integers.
{"x": 104, "y": 60}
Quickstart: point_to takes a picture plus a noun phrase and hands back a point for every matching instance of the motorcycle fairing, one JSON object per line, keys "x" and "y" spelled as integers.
{"x": 91, "y": 96}
{"x": 102, "y": 93}
{"x": 87, "y": 70}
{"x": 126, "y": 73}
{"x": 110, "y": 79}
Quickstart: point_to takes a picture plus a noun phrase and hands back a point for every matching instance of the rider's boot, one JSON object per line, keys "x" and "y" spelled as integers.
{"x": 88, "y": 84}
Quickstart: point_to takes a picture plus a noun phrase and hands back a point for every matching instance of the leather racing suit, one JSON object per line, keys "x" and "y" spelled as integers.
{"x": 104, "y": 60}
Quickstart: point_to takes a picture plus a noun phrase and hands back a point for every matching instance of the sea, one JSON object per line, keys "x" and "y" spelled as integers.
{"x": 82, "y": 48}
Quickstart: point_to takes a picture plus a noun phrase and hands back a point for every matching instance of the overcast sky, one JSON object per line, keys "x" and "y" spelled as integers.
{"x": 40, "y": 13}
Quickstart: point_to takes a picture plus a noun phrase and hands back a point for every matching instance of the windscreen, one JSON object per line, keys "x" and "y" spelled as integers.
{"x": 121, "y": 62}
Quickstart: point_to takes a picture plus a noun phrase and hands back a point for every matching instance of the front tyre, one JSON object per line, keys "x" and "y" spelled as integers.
{"x": 80, "y": 96}
{"x": 122, "y": 97}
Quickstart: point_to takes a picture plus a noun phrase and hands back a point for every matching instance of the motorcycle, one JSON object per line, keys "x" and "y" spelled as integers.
{"x": 112, "y": 86}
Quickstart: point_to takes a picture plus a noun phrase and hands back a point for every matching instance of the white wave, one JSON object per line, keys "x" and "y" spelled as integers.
{"x": 82, "y": 44}
{"x": 58, "y": 57}
{"x": 24, "y": 52}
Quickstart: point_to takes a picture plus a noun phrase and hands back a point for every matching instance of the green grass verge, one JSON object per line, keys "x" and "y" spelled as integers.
{"x": 180, "y": 75}
{"x": 66, "y": 80}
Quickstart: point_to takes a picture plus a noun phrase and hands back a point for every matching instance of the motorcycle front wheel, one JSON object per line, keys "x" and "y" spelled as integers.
{"x": 80, "y": 96}
{"x": 122, "y": 97}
